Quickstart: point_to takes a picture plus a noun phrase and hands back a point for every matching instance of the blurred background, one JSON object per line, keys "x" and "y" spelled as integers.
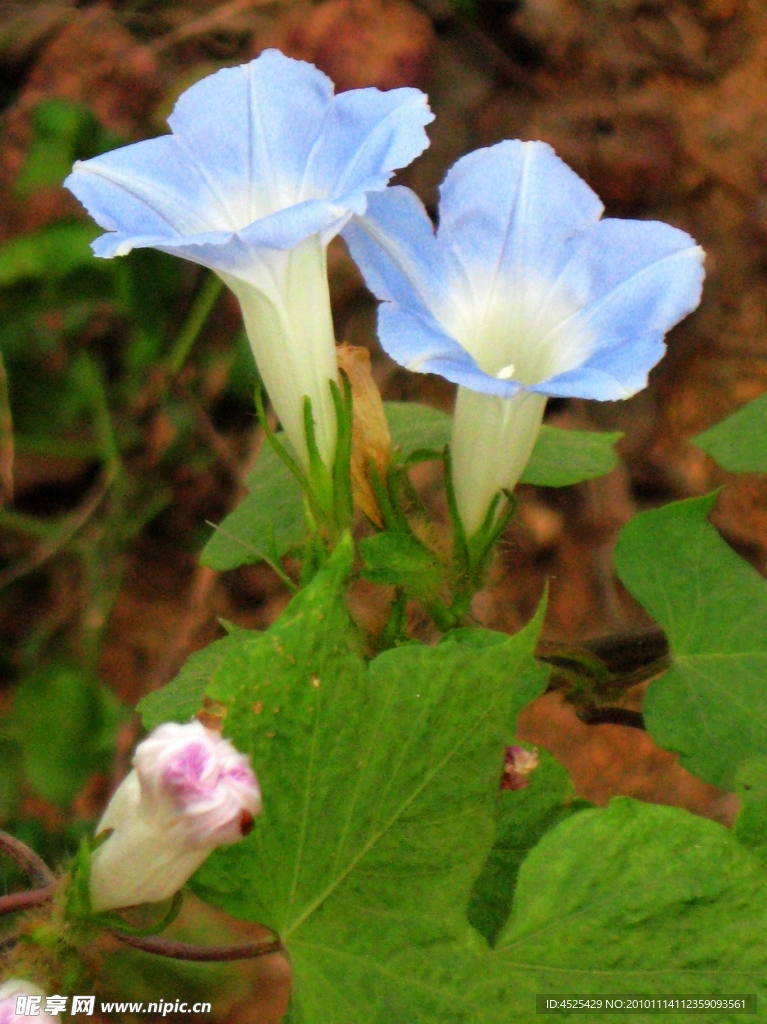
{"x": 127, "y": 412}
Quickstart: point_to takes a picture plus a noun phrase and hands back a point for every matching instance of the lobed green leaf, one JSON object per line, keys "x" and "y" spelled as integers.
{"x": 182, "y": 697}
{"x": 380, "y": 784}
{"x": 739, "y": 443}
{"x": 711, "y": 706}
{"x": 524, "y": 817}
{"x": 564, "y": 457}
{"x": 630, "y": 899}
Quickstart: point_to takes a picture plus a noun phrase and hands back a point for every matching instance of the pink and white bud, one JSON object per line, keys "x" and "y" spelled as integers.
{"x": 15, "y": 995}
{"x": 190, "y": 791}
{"x": 519, "y": 764}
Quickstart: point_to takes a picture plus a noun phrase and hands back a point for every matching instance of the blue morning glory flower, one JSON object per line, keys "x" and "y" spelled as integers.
{"x": 263, "y": 167}
{"x": 522, "y": 293}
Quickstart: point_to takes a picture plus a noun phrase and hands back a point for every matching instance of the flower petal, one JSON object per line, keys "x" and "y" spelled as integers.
{"x": 367, "y": 134}
{"x": 611, "y": 374}
{"x": 513, "y": 210}
{"x": 252, "y": 128}
{"x": 642, "y": 278}
{"x": 418, "y": 343}
{"x": 395, "y": 247}
{"x": 148, "y": 189}
{"x": 240, "y": 254}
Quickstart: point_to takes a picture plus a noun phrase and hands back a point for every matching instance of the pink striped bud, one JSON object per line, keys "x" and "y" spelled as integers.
{"x": 190, "y": 791}
{"x": 15, "y": 995}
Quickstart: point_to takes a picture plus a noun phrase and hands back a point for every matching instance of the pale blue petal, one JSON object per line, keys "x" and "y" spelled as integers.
{"x": 367, "y": 135}
{"x": 616, "y": 371}
{"x": 643, "y": 278}
{"x": 394, "y": 246}
{"x": 264, "y": 151}
{"x": 418, "y": 343}
{"x": 635, "y": 276}
{"x": 149, "y": 190}
{"x": 236, "y": 253}
{"x": 513, "y": 210}
{"x": 252, "y": 128}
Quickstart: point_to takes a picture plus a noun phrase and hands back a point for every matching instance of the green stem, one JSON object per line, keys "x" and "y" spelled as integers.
{"x": 88, "y": 374}
{"x": 34, "y": 526}
{"x": 395, "y": 629}
{"x": 199, "y": 312}
{"x": 444, "y": 617}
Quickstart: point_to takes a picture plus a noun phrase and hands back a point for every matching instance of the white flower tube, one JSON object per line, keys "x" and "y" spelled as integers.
{"x": 16, "y": 994}
{"x": 263, "y": 168}
{"x": 190, "y": 791}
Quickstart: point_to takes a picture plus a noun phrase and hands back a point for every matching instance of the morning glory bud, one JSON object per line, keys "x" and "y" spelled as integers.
{"x": 27, "y": 999}
{"x": 263, "y": 168}
{"x": 189, "y": 792}
{"x": 524, "y": 292}
{"x": 518, "y": 765}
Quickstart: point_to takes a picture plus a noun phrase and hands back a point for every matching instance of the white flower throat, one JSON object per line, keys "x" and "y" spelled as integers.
{"x": 527, "y": 332}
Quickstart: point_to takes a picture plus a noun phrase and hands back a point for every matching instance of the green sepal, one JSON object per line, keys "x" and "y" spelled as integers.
{"x": 484, "y": 540}
{"x": 110, "y": 919}
{"x": 78, "y": 907}
{"x": 320, "y": 487}
{"x": 343, "y": 502}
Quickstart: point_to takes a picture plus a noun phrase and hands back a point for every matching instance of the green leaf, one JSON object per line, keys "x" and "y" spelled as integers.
{"x": 739, "y": 443}
{"x": 396, "y": 558}
{"x": 751, "y": 823}
{"x": 51, "y": 253}
{"x": 380, "y": 784}
{"x": 183, "y": 696}
{"x": 631, "y": 899}
{"x": 524, "y": 817}
{"x": 266, "y": 524}
{"x": 710, "y": 706}
{"x": 66, "y": 725}
{"x": 560, "y": 457}
{"x": 414, "y": 427}
{"x": 564, "y": 457}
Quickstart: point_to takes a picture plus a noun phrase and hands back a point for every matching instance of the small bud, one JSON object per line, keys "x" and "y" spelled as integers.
{"x": 15, "y": 994}
{"x": 190, "y": 791}
{"x": 519, "y": 764}
{"x": 371, "y": 441}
